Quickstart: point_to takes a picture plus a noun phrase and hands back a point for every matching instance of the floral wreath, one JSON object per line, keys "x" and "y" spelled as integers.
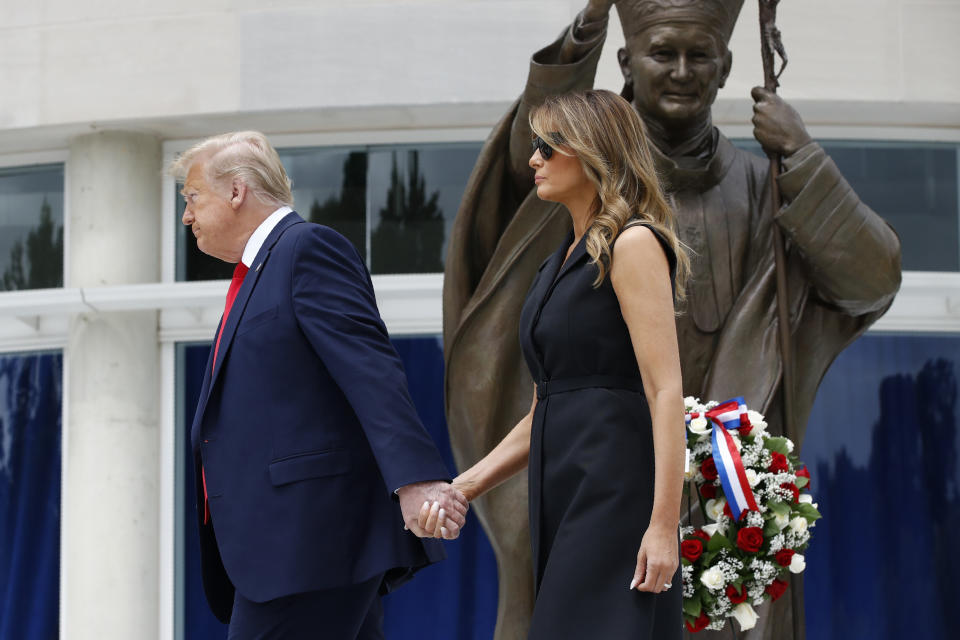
{"x": 756, "y": 497}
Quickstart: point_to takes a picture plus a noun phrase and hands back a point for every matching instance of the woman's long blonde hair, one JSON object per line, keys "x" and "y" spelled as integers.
{"x": 605, "y": 132}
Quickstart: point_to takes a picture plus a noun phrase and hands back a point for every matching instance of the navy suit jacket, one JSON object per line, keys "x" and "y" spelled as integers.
{"x": 305, "y": 428}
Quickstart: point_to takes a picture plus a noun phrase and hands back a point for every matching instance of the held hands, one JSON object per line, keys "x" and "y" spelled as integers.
{"x": 776, "y": 125}
{"x": 433, "y": 509}
{"x": 657, "y": 560}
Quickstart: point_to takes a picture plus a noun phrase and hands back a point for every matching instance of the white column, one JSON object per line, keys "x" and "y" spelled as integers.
{"x": 109, "y": 535}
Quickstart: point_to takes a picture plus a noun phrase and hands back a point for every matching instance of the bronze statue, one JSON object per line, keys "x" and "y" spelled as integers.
{"x": 842, "y": 260}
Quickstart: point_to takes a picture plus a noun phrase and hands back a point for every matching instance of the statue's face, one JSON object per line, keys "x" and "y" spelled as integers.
{"x": 675, "y": 70}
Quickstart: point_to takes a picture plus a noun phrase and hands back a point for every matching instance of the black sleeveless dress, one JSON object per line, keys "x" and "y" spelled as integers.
{"x": 591, "y": 461}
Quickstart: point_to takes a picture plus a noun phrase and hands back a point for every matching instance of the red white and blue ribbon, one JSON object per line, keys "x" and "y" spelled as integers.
{"x": 726, "y": 417}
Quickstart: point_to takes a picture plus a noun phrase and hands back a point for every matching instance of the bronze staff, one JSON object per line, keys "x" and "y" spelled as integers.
{"x": 771, "y": 45}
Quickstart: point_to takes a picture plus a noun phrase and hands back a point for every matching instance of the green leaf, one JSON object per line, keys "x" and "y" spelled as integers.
{"x": 779, "y": 508}
{"x": 808, "y": 511}
{"x": 692, "y": 606}
{"x": 801, "y": 482}
{"x": 770, "y": 529}
{"x": 777, "y": 444}
{"x": 718, "y": 541}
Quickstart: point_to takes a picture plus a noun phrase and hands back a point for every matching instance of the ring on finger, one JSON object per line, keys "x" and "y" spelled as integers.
{"x": 667, "y": 585}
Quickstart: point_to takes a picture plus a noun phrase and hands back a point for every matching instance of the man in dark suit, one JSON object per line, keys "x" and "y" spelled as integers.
{"x": 308, "y": 450}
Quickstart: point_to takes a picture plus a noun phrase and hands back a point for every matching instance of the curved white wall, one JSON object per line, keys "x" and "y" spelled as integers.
{"x": 179, "y": 67}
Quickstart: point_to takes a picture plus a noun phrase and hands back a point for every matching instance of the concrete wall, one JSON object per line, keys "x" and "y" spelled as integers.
{"x": 71, "y": 66}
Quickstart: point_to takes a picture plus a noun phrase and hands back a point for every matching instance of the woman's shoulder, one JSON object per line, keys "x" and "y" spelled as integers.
{"x": 640, "y": 240}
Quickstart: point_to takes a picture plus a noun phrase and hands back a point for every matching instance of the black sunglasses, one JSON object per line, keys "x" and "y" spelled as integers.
{"x": 538, "y": 143}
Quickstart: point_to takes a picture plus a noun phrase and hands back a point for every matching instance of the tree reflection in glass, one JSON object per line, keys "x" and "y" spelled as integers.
{"x": 31, "y": 228}
{"x": 409, "y": 237}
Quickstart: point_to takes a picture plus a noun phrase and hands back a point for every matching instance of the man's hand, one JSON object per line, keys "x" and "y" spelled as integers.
{"x": 433, "y": 509}
{"x": 776, "y": 125}
{"x": 597, "y": 10}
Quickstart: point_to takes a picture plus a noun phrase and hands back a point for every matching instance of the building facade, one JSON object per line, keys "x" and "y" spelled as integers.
{"x": 379, "y": 109}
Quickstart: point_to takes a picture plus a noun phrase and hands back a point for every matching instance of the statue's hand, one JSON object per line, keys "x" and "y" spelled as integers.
{"x": 596, "y": 10}
{"x": 776, "y": 125}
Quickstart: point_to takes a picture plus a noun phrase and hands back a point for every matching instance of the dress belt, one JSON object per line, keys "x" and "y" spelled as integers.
{"x": 562, "y": 385}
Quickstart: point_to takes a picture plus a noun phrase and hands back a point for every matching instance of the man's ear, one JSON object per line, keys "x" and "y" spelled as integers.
{"x": 623, "y": 57}
{"x": 238, "y": 193}
{"x": 725, "y": 67}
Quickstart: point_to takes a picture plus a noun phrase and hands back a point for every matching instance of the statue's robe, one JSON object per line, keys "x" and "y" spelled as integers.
{"x": 843, "y": 270}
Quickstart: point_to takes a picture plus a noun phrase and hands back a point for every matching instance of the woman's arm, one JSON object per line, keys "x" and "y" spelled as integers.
{"x": 640, "y": 276}
{"x": 503, "y": 462}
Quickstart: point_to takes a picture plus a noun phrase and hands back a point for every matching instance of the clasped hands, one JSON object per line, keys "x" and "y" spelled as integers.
{"x": 433, "y": 509}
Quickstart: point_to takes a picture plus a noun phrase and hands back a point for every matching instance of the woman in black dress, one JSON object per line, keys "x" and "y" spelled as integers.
{"x": 604, "y": 438}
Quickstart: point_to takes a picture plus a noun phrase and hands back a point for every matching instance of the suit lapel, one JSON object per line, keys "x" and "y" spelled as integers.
{"x": 236, "y": 312}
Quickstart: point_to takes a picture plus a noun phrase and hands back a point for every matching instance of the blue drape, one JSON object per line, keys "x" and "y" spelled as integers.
{"x": 882, "y": 447}
{"x": 30, "y": 410}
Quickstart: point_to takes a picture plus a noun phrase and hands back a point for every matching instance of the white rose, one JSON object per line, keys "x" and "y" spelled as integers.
{"x": 714, "y": 508}
{"x": 798, "y": 524}
{"x": 790, "y": 446}
{"x": 713, "y": 579}
{"x": 699, "y": 426}
{"x": 806, "y": 497}
{"x": 745, "y": 615}
{"x": 781, "y": 520}
{"x": 798, "y": 563}
{"x": 752, "y": 477}
{"x": 755, "y": 418}
{"x": 711, "y": 529}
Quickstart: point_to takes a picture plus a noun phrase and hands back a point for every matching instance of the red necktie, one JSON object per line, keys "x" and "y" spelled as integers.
{"x": 238, "y": 273}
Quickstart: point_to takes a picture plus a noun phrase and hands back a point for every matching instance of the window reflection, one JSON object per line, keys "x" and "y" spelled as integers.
{"x": 31, "y": 228}
{"x": 415, "y": 193}
{"x": 913, "y": 185}
{"x": 395, "y": 204}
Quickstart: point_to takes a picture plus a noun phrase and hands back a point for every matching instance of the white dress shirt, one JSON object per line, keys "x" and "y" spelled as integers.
{"x": 259, "y": 235}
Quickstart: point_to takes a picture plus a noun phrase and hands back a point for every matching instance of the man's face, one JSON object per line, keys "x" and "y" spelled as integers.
{"x": 676, "y": 70}
{"x": 211, "y": 216}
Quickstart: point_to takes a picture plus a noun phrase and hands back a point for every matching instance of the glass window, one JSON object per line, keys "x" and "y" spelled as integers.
{"x": 915, "y": 186}
{"x": 30, "y": 410}
{"x": 31, "y": 227}
{"x": 396, "y": 204}
{"x": 415, "y": 194}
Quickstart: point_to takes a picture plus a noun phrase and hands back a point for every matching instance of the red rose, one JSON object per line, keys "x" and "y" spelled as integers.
{"x": 745, "y": 430}
{"x": 699, "y": 624}
{"x": 708, "y": 491}
{"x": 736, "y": 597}
{"x": 779, "y": 463}
{"x": 750, "y": 539}
{"x": 804, "y": 473}
{"x": 691, "y": 549}
{"x": 703, "y": 535}
{"x": 792, "y": 488}
{"x": 784, "y": 556}
{"x": 709, "y": 469}
{"x": 776, "y": 589}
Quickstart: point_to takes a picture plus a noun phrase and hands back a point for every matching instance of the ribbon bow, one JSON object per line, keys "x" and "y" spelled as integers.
{"x": 725, "y": 417}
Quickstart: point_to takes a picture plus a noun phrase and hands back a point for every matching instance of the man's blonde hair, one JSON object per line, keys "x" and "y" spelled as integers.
{"x": 244, "y": 155}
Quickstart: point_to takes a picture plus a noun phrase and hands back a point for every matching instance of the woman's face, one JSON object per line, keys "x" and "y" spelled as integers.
{"x": 561, "y": 177}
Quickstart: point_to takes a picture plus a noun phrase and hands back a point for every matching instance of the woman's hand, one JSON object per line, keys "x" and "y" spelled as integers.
{"x": 657, "y": 559}
{"x": 433, "y": 519}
